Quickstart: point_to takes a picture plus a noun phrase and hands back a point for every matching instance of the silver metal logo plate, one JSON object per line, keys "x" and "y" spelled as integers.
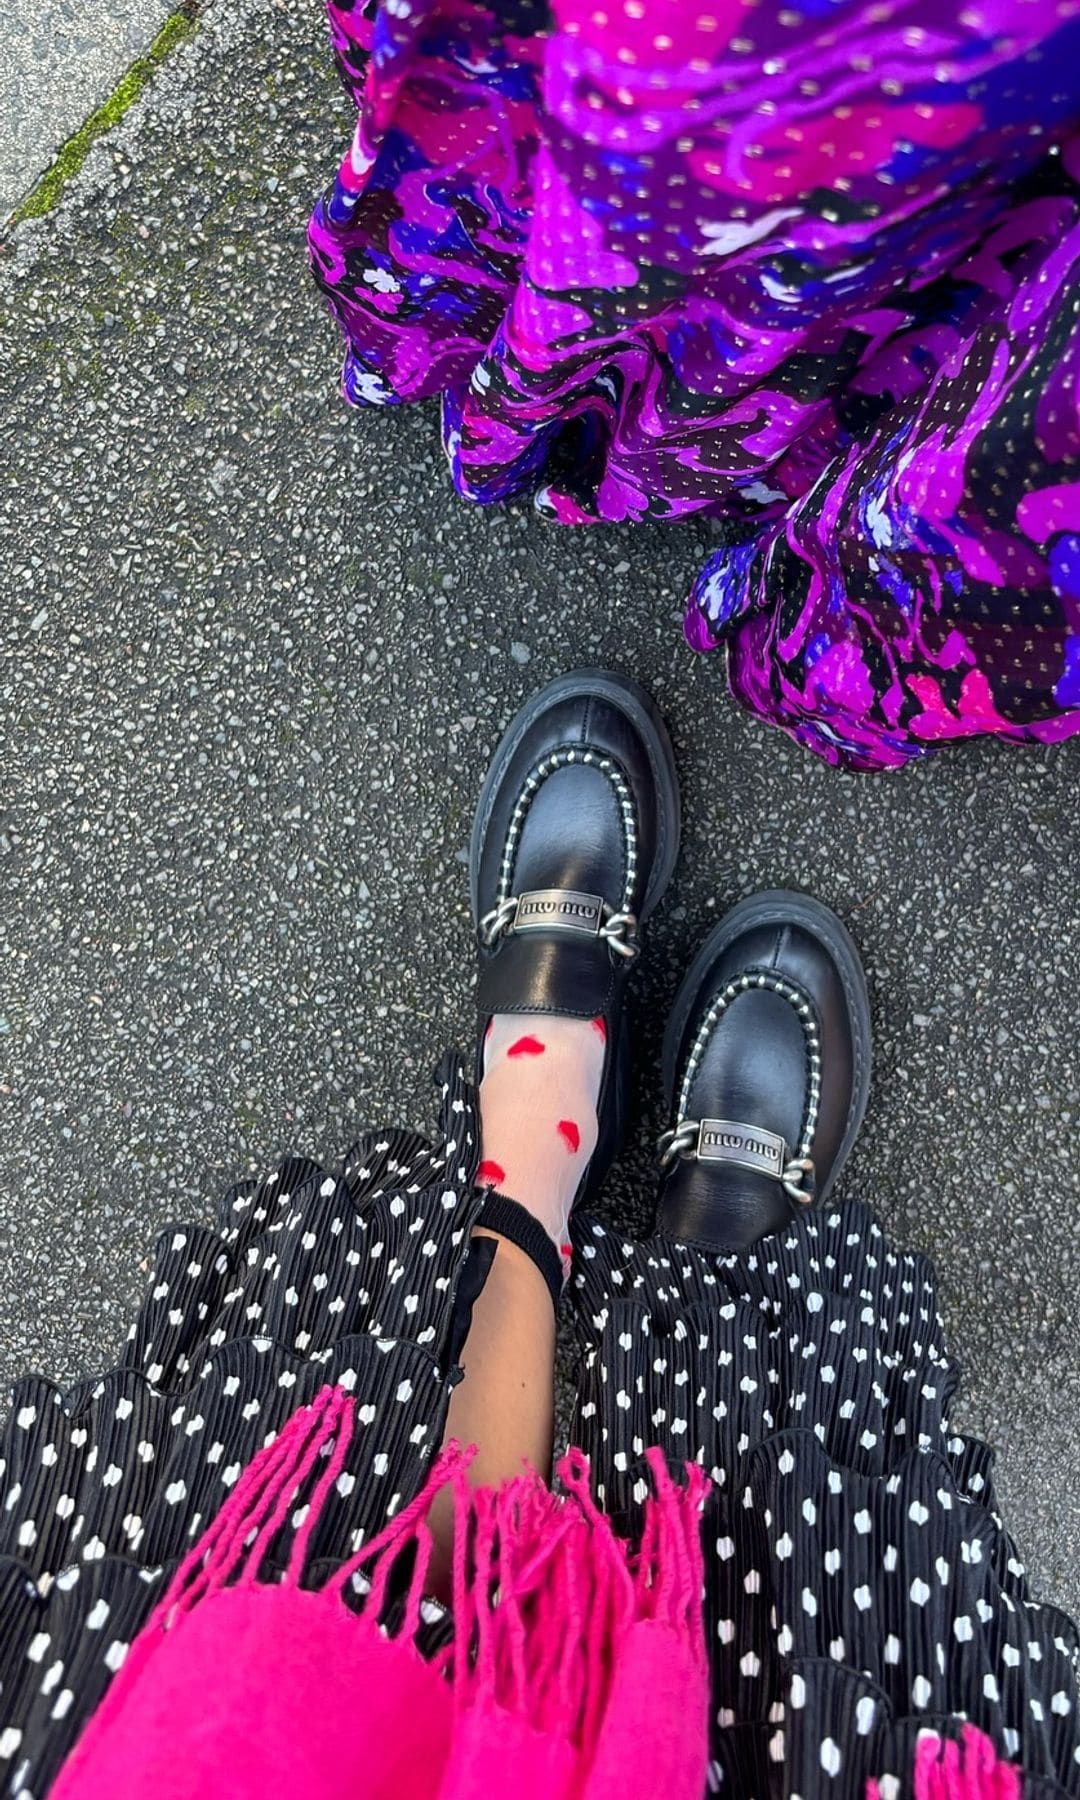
{"x": 723, "y": 1140}
{"x": 559, "y": 909}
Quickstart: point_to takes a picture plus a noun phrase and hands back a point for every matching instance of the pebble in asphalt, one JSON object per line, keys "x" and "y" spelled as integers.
{"x": 255, "y": 654}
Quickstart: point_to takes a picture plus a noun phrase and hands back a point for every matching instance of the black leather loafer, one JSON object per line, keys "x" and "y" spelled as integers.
{"x": 575, "y": 840}
{"x": 766, "y": 1072}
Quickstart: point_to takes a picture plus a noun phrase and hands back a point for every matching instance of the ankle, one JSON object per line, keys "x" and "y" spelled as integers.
{"x": 524, "y": 1260}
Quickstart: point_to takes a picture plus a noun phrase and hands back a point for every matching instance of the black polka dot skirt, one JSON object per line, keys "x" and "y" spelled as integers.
{"x": 860, "y": 1583}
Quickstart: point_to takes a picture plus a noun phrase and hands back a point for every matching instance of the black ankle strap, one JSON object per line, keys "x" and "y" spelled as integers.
{"x": 513, "y": 1222}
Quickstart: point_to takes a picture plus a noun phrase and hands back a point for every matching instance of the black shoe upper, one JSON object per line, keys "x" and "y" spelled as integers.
{"x": 767, "y": 1062}
{"x": 575, "y": 840}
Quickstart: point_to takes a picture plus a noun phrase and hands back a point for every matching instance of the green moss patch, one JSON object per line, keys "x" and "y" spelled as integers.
{"x": 178, "y": 29}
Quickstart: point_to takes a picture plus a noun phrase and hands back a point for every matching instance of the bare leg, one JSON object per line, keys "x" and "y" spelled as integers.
{"x": 505, "y": 1405}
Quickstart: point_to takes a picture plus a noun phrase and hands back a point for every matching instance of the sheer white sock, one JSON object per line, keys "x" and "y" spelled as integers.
{"x": 538, "y": 1112}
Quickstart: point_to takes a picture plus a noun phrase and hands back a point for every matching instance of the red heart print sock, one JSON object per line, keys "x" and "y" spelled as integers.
{"x": 538, "y": 1112}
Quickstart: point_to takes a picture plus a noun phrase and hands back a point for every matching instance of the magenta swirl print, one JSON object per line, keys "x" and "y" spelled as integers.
{"x": 810, "y": 269}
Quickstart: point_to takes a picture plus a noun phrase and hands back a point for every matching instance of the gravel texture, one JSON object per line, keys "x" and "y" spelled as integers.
{"x": 58, "y": 62}
{"x": 254, "y": 657}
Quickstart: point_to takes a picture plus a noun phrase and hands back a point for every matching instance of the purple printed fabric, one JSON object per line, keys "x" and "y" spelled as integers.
{"x": 812, "y": 269}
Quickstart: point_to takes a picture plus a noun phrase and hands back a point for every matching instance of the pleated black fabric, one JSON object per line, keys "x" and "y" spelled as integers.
{"x": 860, "y": 1583}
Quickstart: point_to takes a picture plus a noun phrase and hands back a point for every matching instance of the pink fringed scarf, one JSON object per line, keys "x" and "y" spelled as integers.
{"x": 586, "y": 1674}
{"x": 244, "y": 1688}
{"x": 964, "y": 1769}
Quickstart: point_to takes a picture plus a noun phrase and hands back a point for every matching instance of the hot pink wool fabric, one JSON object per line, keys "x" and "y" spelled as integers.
{"x": 265, "y": 1691}
{"x": 968, "y": 1770}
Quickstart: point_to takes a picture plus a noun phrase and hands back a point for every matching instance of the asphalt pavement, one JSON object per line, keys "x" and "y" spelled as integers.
{"x": 253, "y": 656}
{"x": 58, "y": 62}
